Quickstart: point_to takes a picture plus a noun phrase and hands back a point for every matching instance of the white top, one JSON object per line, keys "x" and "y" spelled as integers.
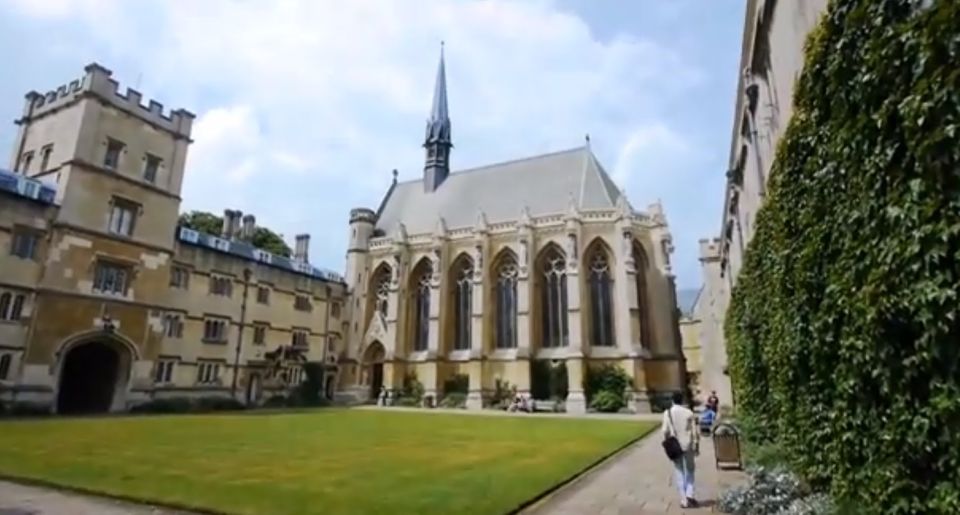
{"x": 685, "y": 423}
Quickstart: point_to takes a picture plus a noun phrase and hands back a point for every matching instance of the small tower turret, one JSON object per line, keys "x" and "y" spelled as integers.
{"x": 362, "y": 221}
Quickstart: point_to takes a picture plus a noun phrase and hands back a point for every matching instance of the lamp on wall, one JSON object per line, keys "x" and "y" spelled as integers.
{"x": 107, "y": 325}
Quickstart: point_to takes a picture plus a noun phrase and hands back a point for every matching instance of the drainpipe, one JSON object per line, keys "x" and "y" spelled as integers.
{"x": 243, "y": 321}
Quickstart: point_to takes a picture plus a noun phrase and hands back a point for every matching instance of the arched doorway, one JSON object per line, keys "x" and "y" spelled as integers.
{"x": 373, "y": 364}
{"x": 91, "y": 377}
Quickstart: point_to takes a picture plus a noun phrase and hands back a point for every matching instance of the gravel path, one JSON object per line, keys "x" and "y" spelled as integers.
{"x": 17, "y": 499}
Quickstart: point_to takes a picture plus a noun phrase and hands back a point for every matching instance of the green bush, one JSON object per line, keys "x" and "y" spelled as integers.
{"x": 188, "y": 405}
{"x": 606, "y": 378}
{"x": 606, "y": 401}
{"x": 454, "y": 400}
{"x": 502, "y": 396}
{"x": 308, "y": 393}
{"x": 458, "y": 383}
{"x": 217, "y": 404}
{"x": 166, "y": 405}
{"x": 24, "y": 409}
{"x": 412, "y": 392}
{"x": 844, "y": 325}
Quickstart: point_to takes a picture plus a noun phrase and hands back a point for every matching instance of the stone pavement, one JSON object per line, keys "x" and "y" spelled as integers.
{"x": 18, "y": 499}
{"x": 639, "y": 481}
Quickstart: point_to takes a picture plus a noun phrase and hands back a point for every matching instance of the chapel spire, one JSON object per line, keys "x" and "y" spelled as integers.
{"x": 438, "y": 139}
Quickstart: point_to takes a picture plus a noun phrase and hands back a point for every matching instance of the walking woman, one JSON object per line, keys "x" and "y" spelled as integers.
{"x": 682, "y": 442}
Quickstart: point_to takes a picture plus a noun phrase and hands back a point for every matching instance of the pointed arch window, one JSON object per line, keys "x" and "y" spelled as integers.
{"x": 422, "y": 308}
{"x": 640, "y": 278}
{"x": 463, "y": 304}
{"x": 601, "y": 312}
{"x": 553, "y": 299}
{"x": 381, "y": 292}
{"x": 506, "y": 303}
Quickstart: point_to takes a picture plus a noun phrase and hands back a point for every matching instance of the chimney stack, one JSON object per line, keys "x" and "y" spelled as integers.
{"x": 231, "y": 224}
{"x": 225, "y": 229}
{"x": 249, "y": 227}
{"x": 300, "y": 249}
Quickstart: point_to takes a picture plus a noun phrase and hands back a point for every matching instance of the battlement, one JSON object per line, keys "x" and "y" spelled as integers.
{"x": 97, "y": 82}
{"x": 709, "y": 248}
{"x": 362, "y": 214}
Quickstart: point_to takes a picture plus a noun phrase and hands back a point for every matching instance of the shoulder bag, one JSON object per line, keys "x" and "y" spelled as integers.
{"x": 670, "y": 444}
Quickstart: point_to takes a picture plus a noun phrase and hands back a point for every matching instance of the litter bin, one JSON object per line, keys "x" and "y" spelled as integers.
{"x": 726, "y": 446}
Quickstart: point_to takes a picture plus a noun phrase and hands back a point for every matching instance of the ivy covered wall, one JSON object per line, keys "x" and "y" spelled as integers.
{"x": 844, "y": 326}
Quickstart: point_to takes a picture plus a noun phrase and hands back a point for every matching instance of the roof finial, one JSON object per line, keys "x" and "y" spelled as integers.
{"x": 587, "y": 137}
{"x": 394, "y": 175}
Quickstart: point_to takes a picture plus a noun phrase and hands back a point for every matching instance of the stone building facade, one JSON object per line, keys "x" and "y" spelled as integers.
{"x": 482, "y": 272}
{"x": 771, "y": 60}
{"x": 104, "y": 301}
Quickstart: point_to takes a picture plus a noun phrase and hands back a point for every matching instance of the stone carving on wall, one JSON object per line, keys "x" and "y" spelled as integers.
{"x": 395, "y": 271}
{"x": 571, "y": 251}
{"x": 628, "y": 250}
{"x": 478, "y": 262}
{"x": 435, "y": 257}
{"x": 523, "y": 257}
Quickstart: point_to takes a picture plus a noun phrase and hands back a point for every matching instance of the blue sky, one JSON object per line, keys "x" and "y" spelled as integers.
{"x": 305, "y": 106}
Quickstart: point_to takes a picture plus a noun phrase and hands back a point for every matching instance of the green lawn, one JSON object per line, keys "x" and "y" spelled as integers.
{"x": 326, "y": 461}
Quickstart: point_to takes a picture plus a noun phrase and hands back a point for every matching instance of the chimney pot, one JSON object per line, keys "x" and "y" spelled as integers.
{"x": 249, "y": 227}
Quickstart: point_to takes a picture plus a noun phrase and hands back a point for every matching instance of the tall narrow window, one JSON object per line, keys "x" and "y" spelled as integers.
{"x": 24, "y": 243}
{"x": 16, "y": 310}
{"x": 382, "y": 292}
{"x": 25, "y": 161}
{"x": 463, "y": 303}
{"x": 5, "y": 366}
{"x": 151, "y": 164}
{"x": 111, "y": 159}
{"x": 263, "y": 295}
{"x": 45, "y": 153}
{"x": 179, "y": 277}
{"x": 422, "y": 308}
{"x": 5, "y": 300}
{"x": 640, "y": 260}
{"x": 601, "y": 314}
{"x": 506, "y": 303}
{"x": 553, "y": 298}
{"x": 123, "y": 216}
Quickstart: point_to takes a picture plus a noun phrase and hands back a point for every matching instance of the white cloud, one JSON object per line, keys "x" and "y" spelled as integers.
{"x": 647, "y": 148}
{"x": 324, "y": 98}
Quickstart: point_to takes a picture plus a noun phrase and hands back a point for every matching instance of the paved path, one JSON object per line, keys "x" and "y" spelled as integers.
{"x": 17, "y": 499}
{"x": 639, "y": 481}
{"x": 651, "y": 417}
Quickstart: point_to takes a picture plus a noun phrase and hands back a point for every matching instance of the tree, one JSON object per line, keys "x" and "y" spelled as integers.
{"x": 210, "y": 223}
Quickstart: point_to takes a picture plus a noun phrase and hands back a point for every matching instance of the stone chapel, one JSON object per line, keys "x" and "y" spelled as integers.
{"x": 484, "y": 272}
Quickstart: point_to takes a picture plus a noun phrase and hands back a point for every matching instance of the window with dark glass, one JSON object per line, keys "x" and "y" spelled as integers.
{"x": 111, "y": 278}
{"x": 111, "y": 159}
{"x": 151, "y": 164}
{"x": 553, "y": 299}
{"x": 463, "y": 304}
{"x": 422, "y": 310}
{"x": 24, "y": 243}
{"x": 505, "y": 316}
{"x": 601, "y": 314}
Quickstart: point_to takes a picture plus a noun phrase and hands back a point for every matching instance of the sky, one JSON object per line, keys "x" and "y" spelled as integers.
{"x": 305, "y": 106}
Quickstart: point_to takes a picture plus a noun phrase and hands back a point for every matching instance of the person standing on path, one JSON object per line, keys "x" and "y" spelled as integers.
{"x": 681, "y": 423}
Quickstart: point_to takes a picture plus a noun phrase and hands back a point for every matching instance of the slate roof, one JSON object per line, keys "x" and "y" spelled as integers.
{"x": 687, "y": 300}
{"x": 544, "y": 184}
{"x": 244, "y": 250}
